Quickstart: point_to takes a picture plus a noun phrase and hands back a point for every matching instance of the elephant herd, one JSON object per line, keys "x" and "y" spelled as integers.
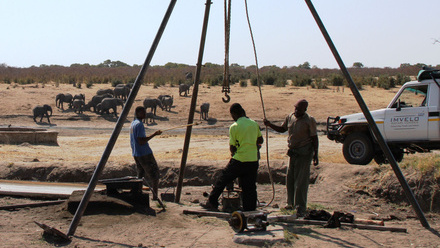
{"x": 108, "y": 99}
{"x": 101, "y": 103}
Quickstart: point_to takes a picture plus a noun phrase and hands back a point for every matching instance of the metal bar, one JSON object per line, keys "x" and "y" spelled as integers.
{"x": 292, "y": 220}
{"x": 383, "y": 145}
{"x": 207, "y": 213}
{"x": 193, "y": 103}
{"x": 131, "y": 97}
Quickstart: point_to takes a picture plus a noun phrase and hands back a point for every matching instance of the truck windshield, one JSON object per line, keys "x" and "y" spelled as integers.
{"x": 413, "y": 96}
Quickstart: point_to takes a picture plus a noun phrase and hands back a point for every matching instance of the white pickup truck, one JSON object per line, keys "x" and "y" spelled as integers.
{"x": 410, "y": 123}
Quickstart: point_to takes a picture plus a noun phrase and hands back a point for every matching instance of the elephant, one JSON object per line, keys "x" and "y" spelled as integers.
{"x": 204, "y": 109}
{"x": 167, "y": 101}
{"x": 150, "y": 116}
{"x": 79, "y": 96}
{"x": 184, "y": 88}
{"x": 161, "y": 97}
{"x": 78, "y": 106}
{"x": 121, "y": 91}
{"x": 152, "y": 103}
{"x": 105, "y": 91}
{"x": 42, "y": 111}
{"x": 128, "y": 85}
{"x": 109, "y": 103}
{"x": 62, "y": 98}
{"x": 96, "y": 100}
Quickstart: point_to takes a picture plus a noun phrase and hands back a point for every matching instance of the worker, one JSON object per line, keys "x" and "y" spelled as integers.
{"x": 302, "y": 148}
{"x": 244, "y": 137}
{"x": 143, "y": 155}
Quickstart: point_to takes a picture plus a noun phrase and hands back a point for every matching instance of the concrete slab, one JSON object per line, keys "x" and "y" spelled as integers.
{"x": 273, "y": 234}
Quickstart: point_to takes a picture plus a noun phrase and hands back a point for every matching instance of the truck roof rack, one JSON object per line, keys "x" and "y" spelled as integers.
{"x": 428, "y": 73}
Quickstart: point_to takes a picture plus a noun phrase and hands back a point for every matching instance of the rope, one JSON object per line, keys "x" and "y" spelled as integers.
{"x": 226, "y": 75}
{"x": 262, "y": 104}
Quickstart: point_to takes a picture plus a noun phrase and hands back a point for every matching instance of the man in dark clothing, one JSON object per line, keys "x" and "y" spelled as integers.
{"x": 303, "y": 148}
{"x": 244, "y": 137}
{"x": 143, "y": 155}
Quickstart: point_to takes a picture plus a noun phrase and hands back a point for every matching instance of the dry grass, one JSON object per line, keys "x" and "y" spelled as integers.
{"x": 425, "y": 163}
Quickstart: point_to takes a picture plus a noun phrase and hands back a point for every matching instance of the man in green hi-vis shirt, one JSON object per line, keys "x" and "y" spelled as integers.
{"x": 244, "y": 139}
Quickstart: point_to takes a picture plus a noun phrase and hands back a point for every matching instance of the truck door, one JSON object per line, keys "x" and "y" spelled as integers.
{"x": 407, "y": 119}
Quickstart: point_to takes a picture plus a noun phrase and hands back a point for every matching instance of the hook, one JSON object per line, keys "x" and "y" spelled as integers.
{"x": 227, "y": 99}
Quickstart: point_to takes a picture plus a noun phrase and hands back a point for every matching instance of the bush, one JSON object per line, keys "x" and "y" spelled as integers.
{"x": 302, "y": 80}
{"x": 254, "y": 81}
{"x": 319, "y": 84}
{"x": 337, "y": 80}
{"x": 213, "y": 81}
{"x": 280, "y": 83}
{"x": 243, "y": 83}
{"x": 386, "y": 82}
{"x": 369, "y": 81}
{"x": 401, "y": 79}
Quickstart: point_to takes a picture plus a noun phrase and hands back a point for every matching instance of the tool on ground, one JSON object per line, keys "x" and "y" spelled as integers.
{"x": 169, "y": 197}
{"x": 52, "y": 231}
{"x": 252, "y": 221}
{"x": 231, "y": 199}
{"x": 182, "y": 126}
{"x": 154, "y": 193}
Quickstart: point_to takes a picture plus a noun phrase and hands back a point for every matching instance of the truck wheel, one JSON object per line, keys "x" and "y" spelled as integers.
{"x": 358, "y": 149}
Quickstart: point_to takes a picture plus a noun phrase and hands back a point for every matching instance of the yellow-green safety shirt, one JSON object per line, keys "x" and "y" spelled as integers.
{"x": 243, "y": 134}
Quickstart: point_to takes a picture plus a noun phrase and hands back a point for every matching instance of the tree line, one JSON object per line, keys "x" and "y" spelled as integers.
{"x": 116, "y": 72}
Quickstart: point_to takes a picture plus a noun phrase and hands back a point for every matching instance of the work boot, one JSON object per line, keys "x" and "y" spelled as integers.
{"x": 209, "y": 206}
{"x": 288, "y": 207}
{"x": 301, "y": 212}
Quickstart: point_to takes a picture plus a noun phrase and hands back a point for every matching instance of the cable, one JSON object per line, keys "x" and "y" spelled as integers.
{"x": 262, "y": 104}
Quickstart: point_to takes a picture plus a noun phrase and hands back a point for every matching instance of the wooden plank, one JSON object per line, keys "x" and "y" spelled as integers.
{"x": 31, "y": 205}
{"x": 51, "y": 190}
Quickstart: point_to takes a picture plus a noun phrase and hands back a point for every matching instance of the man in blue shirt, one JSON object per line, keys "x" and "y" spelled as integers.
{"x": 143, "y": 155}
{"x": 244, "y": 138}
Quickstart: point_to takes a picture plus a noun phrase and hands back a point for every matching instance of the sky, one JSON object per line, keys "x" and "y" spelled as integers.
{"x": 377, "y": 33}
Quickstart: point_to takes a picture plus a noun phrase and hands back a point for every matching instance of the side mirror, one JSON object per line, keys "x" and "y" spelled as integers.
{"x": 399, "y": 107}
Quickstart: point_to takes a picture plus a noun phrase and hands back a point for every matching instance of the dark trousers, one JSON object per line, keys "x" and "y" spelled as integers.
{"x": 247, "y": 174}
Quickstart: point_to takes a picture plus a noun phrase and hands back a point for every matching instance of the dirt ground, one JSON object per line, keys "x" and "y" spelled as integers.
{"x": 82, "y": 138}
